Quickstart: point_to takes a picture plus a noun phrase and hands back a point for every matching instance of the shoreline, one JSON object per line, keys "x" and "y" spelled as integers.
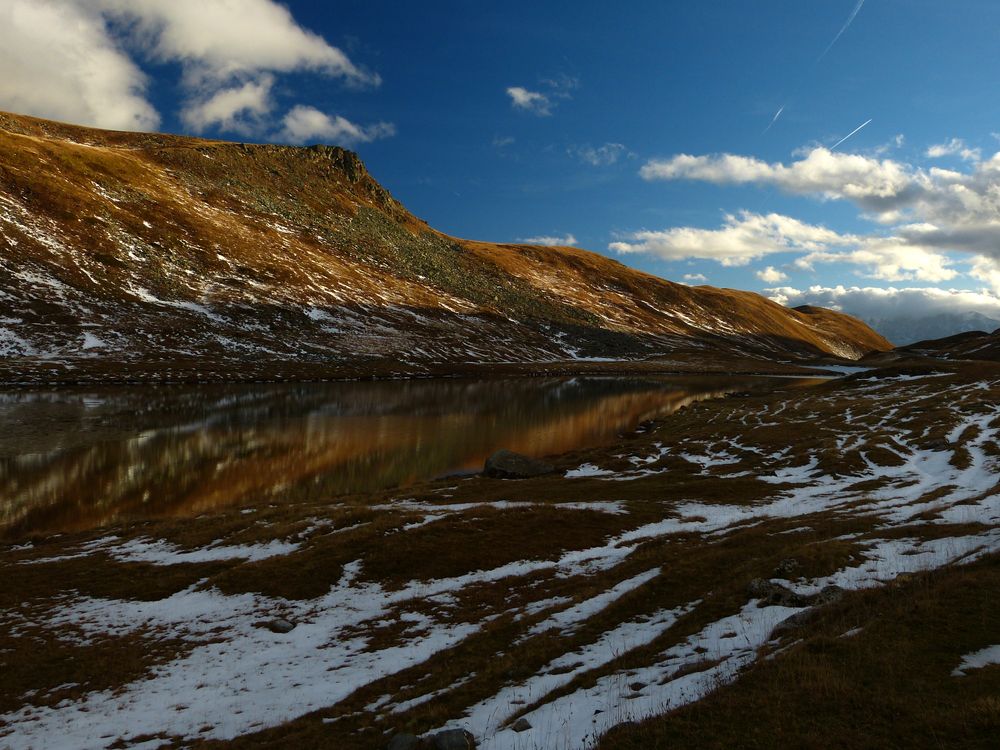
{"x": 18, "y": 376}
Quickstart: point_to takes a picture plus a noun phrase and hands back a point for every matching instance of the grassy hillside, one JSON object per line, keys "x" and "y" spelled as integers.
{"x": 141, "y": 248}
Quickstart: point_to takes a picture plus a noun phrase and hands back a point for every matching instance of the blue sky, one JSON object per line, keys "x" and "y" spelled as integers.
{"x": 642, "y": 130}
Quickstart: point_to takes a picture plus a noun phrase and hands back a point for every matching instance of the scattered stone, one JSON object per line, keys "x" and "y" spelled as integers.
{"x": 521, "y": 725}
{"x": 828, "y": 594}
{"x": 938, "y": 445}
{"x": 404, "y": 742}
{"x": 278, "y": 625}
{"x": 453, "y": 739}
{"x": 635, "y": 687}
{"x": 796, "y": 621}
{"x": 505, "y": 464}
{"x": 786, "y": 568}
{"x": 774, "y": 593}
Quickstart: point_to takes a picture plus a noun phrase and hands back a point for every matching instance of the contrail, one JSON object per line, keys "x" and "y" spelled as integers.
{"x": 834, "y": 148}
{"x": 775, "y": 118}
{"x": 850, "y": 20}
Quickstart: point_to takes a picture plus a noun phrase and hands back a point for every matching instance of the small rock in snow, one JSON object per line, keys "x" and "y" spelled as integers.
{"x": 775, "y": 594}
{"x": 278, "y": 625}
{"x": 505, "y": 464}
{"x": 521, "y": 725}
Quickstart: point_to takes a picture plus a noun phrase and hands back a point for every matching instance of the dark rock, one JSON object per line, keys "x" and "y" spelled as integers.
{"x": 794, "y": 622}
{"x": 786, "y": 567}
{"x": 938, "y": 445}
{"x": 775, "y": 593}
{"x": 404, "y": 742}
{"x": 521, "y": 725}
{"x": 506, "y": 464}
{"x": 828, "y": 594}
{"x": 278, "y": 625}
{"x": 453, "y": 739}
{"x": 635, "y": 687}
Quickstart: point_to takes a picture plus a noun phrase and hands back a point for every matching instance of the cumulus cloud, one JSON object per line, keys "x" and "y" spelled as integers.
{"x": 529, "y": 101}
{"x": 904, "y": 314}
{"x": 304, "y": 124}
{"x": 699, "y": 277}
{"x": 954, "y": 147}
{"x": 874, "y": 303}
{"x": 927, "y": 214}
{"x": 550, "y": 241}
{"x": 771, "y": 275}
{"x": 887, "y": 259}
{"x": 600, "y": 156}
{"x": 77, "y": 60}
{"x": 240, "y": 109}
{"x": 747, "y": 236}
{"x": 60, "y": 62}
{"x": 222, "y": 39}
{"x": 876, "y": 185}
{"x": 888, "y": 191}
{"x": 742, "y": 238}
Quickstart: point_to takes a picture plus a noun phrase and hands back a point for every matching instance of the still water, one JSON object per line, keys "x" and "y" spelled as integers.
{"x": 73, "y": 460}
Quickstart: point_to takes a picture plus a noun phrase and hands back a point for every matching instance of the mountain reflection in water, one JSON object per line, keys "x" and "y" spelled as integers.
{"x": 75, "y": 460}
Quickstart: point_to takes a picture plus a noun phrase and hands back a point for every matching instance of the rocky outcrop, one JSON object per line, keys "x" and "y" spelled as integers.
{"x": 773, "y": 593}
{"x": 505, "y": 464}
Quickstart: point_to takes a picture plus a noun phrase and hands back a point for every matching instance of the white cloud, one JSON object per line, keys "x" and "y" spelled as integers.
{"x": 986, "y": 270}
{"x": 931, "y": 214}
{"x": 303, "y": 124}
{"x": 529, "y": 101}
{"x": 898, "y": 311}
{"x": 601, "y": 156}
{"x": 558, "y": 87}
{"x": 502, "y": 141}
{"x": 223, "y": 39}
{"x": 550, "y": 241}
{"x": 700, "y": 277}
{"x": 871, "y": 182}
{"x": 897, "y": 141}
{"x": 70, "y": 59}
{"x": 888, "y": 259}
{"x": 741, "y": 239}
{"x": 747, "y": 237}
{"x": 59, "y": 61}
{"x": 240, "y": 109}
{"x": 888, "y": 191}
{"x": 876, "y": 302}
{"x": 954, "y": 147}
{"x": 771, "y": 275}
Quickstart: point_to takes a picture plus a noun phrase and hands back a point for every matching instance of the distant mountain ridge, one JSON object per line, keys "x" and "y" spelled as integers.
{"x": 970, "y": 345}
{"x": 903, "y": 331}
{"x": 126, "y": 248}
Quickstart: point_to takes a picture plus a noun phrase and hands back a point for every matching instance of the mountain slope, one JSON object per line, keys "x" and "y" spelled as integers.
{"x": 905, "y": 330}
{"x": 971, "y": 345}
{"x": 133, "y": 249}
